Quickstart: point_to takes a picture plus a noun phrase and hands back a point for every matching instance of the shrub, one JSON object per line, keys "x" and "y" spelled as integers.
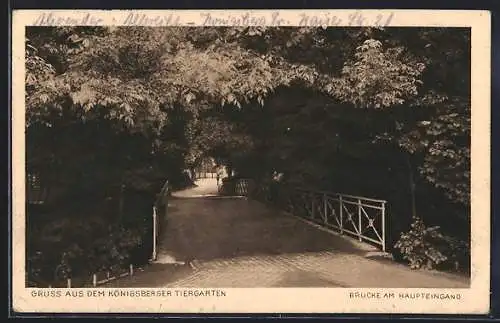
{"x": 427, "y": 247}
{"x": 70, "y": 248}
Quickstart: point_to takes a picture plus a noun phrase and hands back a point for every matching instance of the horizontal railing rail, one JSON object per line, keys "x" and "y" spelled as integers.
{"x": 358, "y": 216}
{"x": 236, "y": 186}
{"x": 202, "y": 175}
{"x": 159, "y": 209}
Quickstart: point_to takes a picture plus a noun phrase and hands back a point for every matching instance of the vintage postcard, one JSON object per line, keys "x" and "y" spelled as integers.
{"x": 258, "y": 161}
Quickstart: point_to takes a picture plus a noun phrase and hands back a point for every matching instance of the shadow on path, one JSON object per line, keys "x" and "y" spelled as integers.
{"x": 211, "y": 228}
{"x": 205, "y": 226}
{"x": 214, "y": 241}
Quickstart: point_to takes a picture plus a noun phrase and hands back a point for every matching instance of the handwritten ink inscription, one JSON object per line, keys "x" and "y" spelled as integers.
{"x": 141, "y": 19}
{"x": 50, "y": 19}
{"x": 246, "y": 19}
{"x": 276, "y": 18}
{"x": 356, "y": 18}
{"x": 305, "y": 19}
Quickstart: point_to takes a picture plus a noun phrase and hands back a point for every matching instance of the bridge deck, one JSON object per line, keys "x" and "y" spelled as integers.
{"x": 236, "y": 242}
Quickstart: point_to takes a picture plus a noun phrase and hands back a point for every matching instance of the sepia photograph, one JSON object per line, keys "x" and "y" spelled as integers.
{"x": 169, "y": 160}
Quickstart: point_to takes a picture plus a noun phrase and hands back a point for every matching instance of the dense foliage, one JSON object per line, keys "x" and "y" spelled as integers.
{"x": 427, "y": 247}
{"x": 373, "y": 111}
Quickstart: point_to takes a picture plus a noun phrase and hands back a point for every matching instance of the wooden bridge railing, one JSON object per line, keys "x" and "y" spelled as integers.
{"x": 236, "y": 186}
{"x": 159, "y": 210}
{"x": 361, "y": 217}
{"x": 201, "y": 175}
{"x": 357, "y": 216}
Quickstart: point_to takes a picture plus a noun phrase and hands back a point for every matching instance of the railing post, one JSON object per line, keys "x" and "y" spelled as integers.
{"x": 325, "y": 217}
{"x": 341, "y": 214}
{"x": 359, "y": 220}
{"x": 312, "y": 205}
{"x": 383, "y": 226}
{"x": 153, "y": 257}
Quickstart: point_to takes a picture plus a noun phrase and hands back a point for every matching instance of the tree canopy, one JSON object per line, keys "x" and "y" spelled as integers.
{"x": 183, "y": 93}
{"x": 382, "y": 112}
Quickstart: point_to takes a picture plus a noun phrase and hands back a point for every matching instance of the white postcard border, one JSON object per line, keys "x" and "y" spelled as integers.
{"x": 474, "y": 300}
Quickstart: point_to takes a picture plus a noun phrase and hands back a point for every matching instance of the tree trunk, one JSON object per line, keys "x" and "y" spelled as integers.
{"x": 411, "y": 182}
{"x": 121, "y": 202}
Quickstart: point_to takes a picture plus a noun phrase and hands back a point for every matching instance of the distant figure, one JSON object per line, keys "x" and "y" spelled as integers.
{"x": 219, "y": 174}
